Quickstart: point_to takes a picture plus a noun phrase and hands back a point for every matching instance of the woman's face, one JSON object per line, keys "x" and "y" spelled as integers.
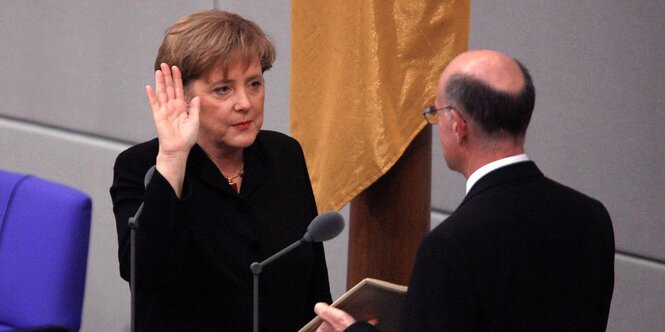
{"x": 231, "y": 105}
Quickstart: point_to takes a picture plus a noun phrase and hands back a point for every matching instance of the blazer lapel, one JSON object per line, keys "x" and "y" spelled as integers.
{"x": 255, "y": 172}
{"x": 200, "y": 166}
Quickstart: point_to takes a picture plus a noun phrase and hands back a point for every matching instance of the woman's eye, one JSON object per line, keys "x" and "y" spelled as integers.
{"x": 255, "y": 84}
{"x": 222, "y": 90}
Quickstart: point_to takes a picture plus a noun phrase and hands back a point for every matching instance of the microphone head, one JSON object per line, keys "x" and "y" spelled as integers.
{"x": 148, "y": 176}
{"x": 324, "y": 227}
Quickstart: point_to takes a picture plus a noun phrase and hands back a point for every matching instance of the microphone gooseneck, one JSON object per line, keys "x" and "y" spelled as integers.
{"x": 324, "y": 227}
{"x": 148, "y": 176}
{"x": 133, "y": 224}
{"x": 133, "y": 221}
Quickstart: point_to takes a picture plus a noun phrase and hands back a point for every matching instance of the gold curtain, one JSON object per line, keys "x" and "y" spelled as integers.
{"x": 361, "y": 73}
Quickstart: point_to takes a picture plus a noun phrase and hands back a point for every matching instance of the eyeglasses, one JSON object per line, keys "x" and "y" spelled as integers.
{"x": 431, "y": 113}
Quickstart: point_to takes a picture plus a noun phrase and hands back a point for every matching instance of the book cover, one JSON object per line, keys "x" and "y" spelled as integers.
{"x": 370, "y": 298}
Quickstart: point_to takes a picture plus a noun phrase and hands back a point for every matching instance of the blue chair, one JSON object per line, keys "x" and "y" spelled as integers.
{"x": 44, "y": 235}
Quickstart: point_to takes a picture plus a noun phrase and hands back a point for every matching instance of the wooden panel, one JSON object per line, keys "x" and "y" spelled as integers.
{"x": 390, "y": 218}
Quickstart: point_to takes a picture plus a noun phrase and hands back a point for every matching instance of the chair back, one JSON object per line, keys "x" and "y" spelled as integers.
{"x": 44, "y": 235}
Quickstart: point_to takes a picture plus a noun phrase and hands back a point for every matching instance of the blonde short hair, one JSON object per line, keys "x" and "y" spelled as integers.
{"x": 199, "y": 41}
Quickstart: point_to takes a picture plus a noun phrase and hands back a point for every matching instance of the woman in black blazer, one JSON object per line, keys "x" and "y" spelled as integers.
{"x": 225, "y": 193}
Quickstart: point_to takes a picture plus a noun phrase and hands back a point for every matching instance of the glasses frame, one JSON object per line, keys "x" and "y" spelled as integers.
{"x": 431, "y": 113}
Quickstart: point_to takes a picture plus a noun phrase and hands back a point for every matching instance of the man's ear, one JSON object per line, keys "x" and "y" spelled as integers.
{"x": 460, "y": 126}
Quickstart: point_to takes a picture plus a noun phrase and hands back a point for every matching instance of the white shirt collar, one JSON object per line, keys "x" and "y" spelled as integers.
{"x": 479, "y": 173}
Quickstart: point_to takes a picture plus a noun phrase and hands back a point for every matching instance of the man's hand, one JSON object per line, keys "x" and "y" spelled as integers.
{"x": 333, "y": 319}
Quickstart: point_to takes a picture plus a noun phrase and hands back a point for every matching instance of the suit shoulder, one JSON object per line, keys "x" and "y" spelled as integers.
{"x": 572, "y": 194}
{"x": 140, "y": 154}
{"x": 450, "y": 230}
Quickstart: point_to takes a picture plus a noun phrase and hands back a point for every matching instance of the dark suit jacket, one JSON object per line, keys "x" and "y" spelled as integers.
{"x": 521, "y": 252}
{"x": 194, "y": 253}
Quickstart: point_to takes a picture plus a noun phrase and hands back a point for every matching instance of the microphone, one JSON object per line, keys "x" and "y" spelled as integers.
{"x": 133, "y": 224}
{"x": 324, "y": 227}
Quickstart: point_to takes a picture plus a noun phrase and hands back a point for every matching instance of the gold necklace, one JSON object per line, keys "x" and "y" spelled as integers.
{"x": 231, "y": 179}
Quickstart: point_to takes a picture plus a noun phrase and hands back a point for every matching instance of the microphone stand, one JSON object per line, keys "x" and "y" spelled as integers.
{"x": 133, "y": 225}
{"x": 324, "y": 227}
{"x": 256, "y": 271}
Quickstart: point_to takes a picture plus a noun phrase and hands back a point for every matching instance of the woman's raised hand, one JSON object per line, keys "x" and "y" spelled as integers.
{"x": 177, "y": 123}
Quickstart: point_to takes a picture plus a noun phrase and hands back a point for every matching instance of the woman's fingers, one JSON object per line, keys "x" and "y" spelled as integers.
{"x": 177, "y": 83}
{"x": 159, "y": 88}
{"x": 168, "y": 84}
{"x": 168, "y": 80}
{"x": 152, "y": 99}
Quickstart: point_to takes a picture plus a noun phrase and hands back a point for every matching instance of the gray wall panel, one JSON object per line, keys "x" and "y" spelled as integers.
{"x": 639, "y": 302}
{"x": 599, "y": 114}
{"x": 83, "y": 65}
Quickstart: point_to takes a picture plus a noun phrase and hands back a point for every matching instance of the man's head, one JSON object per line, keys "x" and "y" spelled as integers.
{"x": 487, "y": 100}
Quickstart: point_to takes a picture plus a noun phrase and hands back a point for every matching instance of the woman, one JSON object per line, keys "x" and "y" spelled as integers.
{"x": 225, "y": 193}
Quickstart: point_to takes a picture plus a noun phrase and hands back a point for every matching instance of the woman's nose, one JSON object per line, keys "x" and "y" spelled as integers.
{"x": 242, "y": 101}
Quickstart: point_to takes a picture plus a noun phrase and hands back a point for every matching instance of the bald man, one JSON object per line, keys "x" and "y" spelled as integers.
{"x": 521, "y": 252}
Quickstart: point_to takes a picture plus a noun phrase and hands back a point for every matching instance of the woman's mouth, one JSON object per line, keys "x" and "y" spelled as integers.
{"x": 241, "y": 125}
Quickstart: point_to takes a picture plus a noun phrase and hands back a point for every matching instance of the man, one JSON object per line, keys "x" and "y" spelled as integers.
{"x": 521, "y": 252}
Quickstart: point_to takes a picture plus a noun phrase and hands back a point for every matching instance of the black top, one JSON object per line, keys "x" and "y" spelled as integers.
{"x": 194, "y": 253}
{"x": 521, "y": 253}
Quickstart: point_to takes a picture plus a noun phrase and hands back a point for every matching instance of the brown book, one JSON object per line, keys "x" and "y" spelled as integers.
{"x": 369, "y": 299}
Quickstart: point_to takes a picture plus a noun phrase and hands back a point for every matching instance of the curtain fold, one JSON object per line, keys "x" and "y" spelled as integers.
{"x": 361, "y": 73}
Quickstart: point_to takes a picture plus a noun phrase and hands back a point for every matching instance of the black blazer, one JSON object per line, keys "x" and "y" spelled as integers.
{"x": 521, "y": 252}
{"x": 194, "y": 253}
